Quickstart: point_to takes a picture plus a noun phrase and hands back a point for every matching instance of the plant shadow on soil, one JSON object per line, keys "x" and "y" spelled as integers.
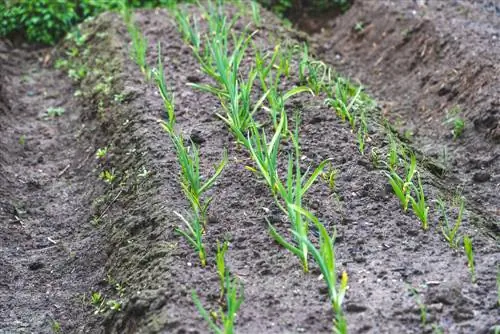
{"x": 381, "y": 248}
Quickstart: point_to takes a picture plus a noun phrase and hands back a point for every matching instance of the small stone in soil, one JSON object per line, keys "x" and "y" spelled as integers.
{"x": 196, "y": 137}
{"x": 481, "y": 177}
{"x": 35, "y": 265}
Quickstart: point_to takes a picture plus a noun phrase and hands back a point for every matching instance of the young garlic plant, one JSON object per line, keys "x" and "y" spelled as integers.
{"x": 291, "y": 194}
{"x": 325, "y": 258}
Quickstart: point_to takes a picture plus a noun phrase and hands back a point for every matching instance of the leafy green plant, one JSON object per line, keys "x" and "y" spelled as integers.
{"x": 165, "y": 93}
{"x": 457, "y": 122}
{"x": 291, "y": 193}
{"x": 53, "y": 112}
{"x": 330, "y": 177}
{"x": 190, "y": 32}
{"x": 265, "y": 154}
{"x": 344, "y": 102}
{"x": 108, "y": 175}
{"x": 325, "y": 258}
{"x": 402, "y": 188}
{"x": 255, "y": 13}
{"x": 234, "y": 299}
{"x": 421, "y": 305}
{"x": 193, "y": 187}
{"x": 362, "y": 132}
{"x": 101, "y": 153}
{"x": 419, "y": 204}
{"x": 193, "y": 233}
{"x": 139, "y": 48}
{"x": 220, "y": 262}
{"x": 450, "y": 233}
{"x": 469, "y": 252}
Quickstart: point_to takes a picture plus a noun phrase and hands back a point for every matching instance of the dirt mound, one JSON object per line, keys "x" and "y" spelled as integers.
{"x": 133, "y": 240}
{"x": 425, "y": 61}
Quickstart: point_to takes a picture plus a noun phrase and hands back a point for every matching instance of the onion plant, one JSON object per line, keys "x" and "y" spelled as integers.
{"x": 402, "y": 187}
{"x": 291, "y": 193}
{"x": 325, "y": 258}
{"x": 419, "y": 204}
{"x": 270, "y": 80}
{"x": 469, "y": 252}
{"x": 191, "y": 180}
{"x": 165, "y": 92}
{"x": 343, "y": 102}
{"x": 190, "y": 32}
{"x": 220, "y": 262}
{"x": 234, "y": 297}
{"x": 139, "y": 48}
{"x": 265, "y": 154}
{"x": 193, "y": 233}
{"x": 450, "y": 232}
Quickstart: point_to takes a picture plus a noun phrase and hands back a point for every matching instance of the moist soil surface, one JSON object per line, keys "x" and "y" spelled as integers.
{"x": 66, "y": 233}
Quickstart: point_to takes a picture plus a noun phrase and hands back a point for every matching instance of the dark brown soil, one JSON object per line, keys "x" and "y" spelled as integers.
{"x": 421, "y": 60}
{"x": 50, "y": 255}
{"x": 382, "y": 249}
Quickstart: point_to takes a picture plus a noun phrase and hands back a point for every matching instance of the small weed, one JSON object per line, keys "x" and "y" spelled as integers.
{"x": 108, "y": 175}
{"x": 330, "y": 177}
{"x": 55, "y": 326}
{"x": 469, "y": 252}
{"x": 457, "y": 122}
{"x": 97, "y": 300}
{"x": 421, "y": 305}
{"x": 54, "y": 112}
{"x": 22, "y": 140}
{"x": 359, "y": 27}
{"x": 114, "y": 305}
{"x": 101, "y": 153}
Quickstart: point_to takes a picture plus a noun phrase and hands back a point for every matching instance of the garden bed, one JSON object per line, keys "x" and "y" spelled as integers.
{"x": 73, "y": 231}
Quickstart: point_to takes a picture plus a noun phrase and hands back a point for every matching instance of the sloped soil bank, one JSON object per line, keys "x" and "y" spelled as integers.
{"x": 133, "y": 240}
{"x": 423, "y": 60}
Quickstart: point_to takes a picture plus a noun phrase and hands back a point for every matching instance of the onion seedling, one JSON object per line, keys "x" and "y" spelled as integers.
{"x": 165, "y": 93}
{"x": 421, "y": 305}
{"x": 193, "y": 233}
{"x": 450, "y": 233}
{"x": 325, "y": 258}
{"x": 139, "y": 48}
{"x": 221, "y": 264}
{"x": 343, "y": 103}
{"x": 402, "y": 188}
{"x": 419, "y": 204}
{"x": 469, "y": 252}
{"x": 192, "y": 185}
{"x": 264, "y": 154}
{"x": 190, "y": 32}
{"x": 234, "y": 298}
{"x": 292, "y": 193}
{"x": 255, "y": 13}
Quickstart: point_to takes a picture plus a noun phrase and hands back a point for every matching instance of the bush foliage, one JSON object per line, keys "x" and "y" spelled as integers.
{"x": 46, "y": 21}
